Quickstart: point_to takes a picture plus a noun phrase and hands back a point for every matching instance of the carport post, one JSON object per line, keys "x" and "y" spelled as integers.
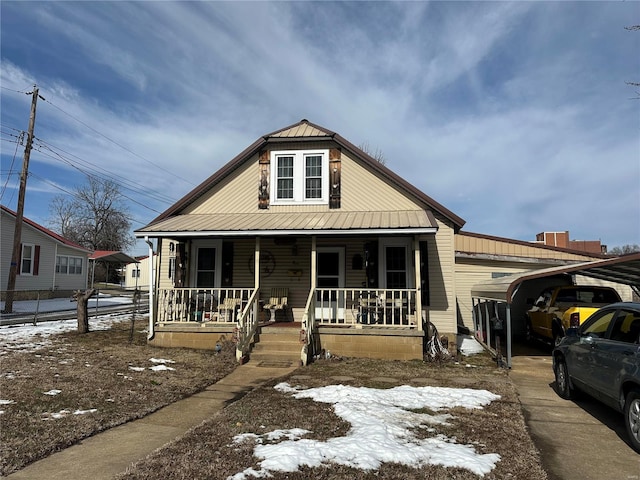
{"x": 488, "y": 334}
{"x": 474, "y": 317}
{"x": 508, "y": 335}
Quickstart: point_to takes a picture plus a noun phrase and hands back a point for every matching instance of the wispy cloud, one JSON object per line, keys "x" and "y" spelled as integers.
{"x": 513, "y": 115}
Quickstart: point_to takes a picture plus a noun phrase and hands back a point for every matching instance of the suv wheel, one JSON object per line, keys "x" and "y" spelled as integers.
{"x": 563, "y": 385}
{"x": 632, "y": 418}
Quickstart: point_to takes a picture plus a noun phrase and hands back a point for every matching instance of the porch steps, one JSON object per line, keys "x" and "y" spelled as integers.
{"x": 277, "y": 344}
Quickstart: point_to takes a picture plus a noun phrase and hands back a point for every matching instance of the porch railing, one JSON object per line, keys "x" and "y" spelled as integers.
{"x": 219, "y": 305}
{"x": 359, "y": 307}
{"x": 247, "y": 325}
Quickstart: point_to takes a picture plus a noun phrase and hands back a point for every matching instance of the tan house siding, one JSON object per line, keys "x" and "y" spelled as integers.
{"x": 362, "y": 191}
{"x": 238, "y": 192}
{"x": 442, "y": 311}
{"x": 477, "y": 244}
{"x": 625, "y": 291}
{"x": 470, "y": 272}
{"x": 141, "y": 282}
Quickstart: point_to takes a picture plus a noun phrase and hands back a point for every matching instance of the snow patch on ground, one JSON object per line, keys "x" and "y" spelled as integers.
{"x": 383, "y": 430}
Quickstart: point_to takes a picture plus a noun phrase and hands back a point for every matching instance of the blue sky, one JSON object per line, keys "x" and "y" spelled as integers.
{"x": 515, "y": 116}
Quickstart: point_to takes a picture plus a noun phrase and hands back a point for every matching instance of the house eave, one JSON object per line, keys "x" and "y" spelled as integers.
{"x": 301, "y": 232}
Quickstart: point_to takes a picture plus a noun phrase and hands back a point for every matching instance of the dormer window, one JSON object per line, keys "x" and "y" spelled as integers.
{"x": 300, "y": 176}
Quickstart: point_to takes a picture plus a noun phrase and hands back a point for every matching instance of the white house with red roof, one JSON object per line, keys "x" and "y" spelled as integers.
{"x": 49, "y": 263}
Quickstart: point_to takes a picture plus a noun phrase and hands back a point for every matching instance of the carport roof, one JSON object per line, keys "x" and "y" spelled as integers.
{"x": 112, "y": 256}
{"x": 624, "y": 269}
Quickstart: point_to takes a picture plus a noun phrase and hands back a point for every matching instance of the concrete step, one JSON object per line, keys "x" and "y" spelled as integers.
{"x": 277, "y": 344}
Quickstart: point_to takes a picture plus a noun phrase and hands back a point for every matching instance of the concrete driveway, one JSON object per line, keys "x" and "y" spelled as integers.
{"x": 578, "y": 440}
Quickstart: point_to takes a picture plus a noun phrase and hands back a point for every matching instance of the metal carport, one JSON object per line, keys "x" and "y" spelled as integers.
{"x": 490, "y": 297}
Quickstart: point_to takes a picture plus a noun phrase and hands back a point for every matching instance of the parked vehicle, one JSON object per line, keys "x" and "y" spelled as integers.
{"x": 563, "y": 307}
{"x": 602, "y": 359}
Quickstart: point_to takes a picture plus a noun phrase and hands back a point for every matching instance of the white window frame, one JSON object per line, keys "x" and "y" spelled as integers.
{"x": 299, "y": 177}
{"x": 31, "y": 259}
{"x": 70, "y": 265}
{"x": 197, "y": 245}
{"x": 382, "y": 254}
{"x": 75, "y": 266}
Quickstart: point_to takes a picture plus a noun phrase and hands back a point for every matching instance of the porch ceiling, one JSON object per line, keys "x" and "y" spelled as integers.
{"x": 405, "y": 221}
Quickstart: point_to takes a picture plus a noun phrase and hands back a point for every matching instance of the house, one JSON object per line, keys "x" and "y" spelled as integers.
{"x": 306, "y": 233}
{"x": 49, "y": 265}
{"x": 136, "y": 274}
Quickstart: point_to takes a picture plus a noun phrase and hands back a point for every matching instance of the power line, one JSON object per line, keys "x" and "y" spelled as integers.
{"x": 173, "y": 174}
{"x": 107, "y": 176}
{"x": 4, "y": 187}
{"x": 73, "y": 194}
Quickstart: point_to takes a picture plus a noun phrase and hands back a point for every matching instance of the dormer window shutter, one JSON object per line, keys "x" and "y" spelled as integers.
{"x": 335, "y": 156}
{"x": 263, "y": 186}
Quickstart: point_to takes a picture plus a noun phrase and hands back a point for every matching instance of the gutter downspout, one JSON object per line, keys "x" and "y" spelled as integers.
{"x": 151, "y": 289}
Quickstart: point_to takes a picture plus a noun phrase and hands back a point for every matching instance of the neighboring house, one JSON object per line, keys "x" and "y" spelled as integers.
{"x": 303, "y": 226}
{"x": 49, "y": 264}
{"x": 483, "y": 257}
{"x": 137, "y": 274}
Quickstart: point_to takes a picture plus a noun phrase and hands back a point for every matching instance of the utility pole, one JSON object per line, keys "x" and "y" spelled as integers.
{"x": 17, "y": 233}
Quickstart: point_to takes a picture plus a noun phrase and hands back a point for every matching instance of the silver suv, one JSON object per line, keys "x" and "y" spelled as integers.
{"x": 602, "y": 358}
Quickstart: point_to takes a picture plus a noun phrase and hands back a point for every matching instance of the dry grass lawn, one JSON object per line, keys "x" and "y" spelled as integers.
{"x": 208, "y": 451}
{"x": 93, "y": 372}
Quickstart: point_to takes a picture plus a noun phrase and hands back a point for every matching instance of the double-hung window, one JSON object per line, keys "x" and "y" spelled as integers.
{"x": 27, "y": 259}
{"x": 300, "y": 176}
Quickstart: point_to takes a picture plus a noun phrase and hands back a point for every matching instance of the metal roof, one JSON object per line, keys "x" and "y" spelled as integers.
{"x": 271, "y": 223}
{"x": 624, "y": 269}
{"x": 112, "y": 256}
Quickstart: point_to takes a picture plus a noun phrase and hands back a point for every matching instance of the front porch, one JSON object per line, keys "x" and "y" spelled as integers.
{"x": 375, "y": 323}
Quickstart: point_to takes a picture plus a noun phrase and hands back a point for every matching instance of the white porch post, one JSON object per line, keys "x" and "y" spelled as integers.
{"x": 416, "y": 253}
{"x": 151, "y": 288}
{"x": 256, "y": 265}
{"x": 314, "y": 260}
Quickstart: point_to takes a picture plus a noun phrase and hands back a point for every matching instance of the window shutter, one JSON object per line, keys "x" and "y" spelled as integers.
{"x": 263, "y": 186}
{"x": 227, "y": 264}
{"x": 424, "y": 274}
{"x": 334, "y": 174}
{"x": 371, "y": 263}
{"x": 36, "y": 259}
{"x": 181, "y": 265}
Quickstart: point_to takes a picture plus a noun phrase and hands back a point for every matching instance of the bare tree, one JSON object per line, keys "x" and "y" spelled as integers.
{"x": 634, "y": 84}
{"x": 96, "y": 218}
{"x": 374, "y": 153}
{"x": 624, "y": 250}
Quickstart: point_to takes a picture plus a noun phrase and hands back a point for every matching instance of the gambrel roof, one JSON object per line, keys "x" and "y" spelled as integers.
{"x": 305, "y": 132}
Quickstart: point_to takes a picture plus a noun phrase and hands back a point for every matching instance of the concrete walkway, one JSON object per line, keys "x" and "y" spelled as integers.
{"x": 106, "y": 454}
{"x": 578, "y": 440}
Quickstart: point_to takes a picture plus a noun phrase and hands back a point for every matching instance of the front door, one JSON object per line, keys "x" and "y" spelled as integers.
{"x": 330, "y": 276}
